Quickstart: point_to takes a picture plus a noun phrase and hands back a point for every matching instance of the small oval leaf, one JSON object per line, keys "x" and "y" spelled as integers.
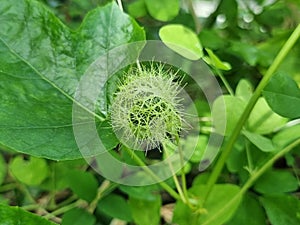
{"x": 181, "y": 40}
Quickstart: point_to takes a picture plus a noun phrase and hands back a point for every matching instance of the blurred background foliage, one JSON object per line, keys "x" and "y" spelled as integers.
{"x": 247, "y": 34}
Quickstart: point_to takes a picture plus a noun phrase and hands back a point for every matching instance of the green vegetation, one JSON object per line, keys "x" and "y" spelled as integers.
{"x": 98, "y": 129}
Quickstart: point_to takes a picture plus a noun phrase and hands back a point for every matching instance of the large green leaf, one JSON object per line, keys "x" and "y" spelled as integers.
{"x": 115, "y": 206}
{"x": 282, "y": 210}
{"x": 283, "y": 96}
{"x": 276, "y": 181}
{"x": 15, "y": 215}
{"x": 244, "y": 214}
{"x": 145, "y": 212}
{"x": 41, "y": 63}
{"x": 263, "y": 120}
{"x": 219, "y": 207}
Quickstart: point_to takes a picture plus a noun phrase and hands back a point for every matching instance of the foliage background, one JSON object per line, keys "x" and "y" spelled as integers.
{"x": 245, "y": 34}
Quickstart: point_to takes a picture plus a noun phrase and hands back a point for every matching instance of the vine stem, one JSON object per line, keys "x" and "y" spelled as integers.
{"x": 164, "y": 185}
{"x": 8, "y": 187}
{"x": 181, "y": 191}
{"x": 268, "y": 164}
{"x": 120, "y": 5}
{"x": 225, "y": 82}
{"x": 78, "y": 203}
{"x": 257, "y": 93}
{"x": 256, "y": 175}
{"x": 104, "y": 186}
{"x": 183, "y": 178}
{"x": 195, "y": 18}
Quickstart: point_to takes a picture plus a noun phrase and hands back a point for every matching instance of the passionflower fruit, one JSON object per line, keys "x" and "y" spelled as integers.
{"x": 146, "y": 109}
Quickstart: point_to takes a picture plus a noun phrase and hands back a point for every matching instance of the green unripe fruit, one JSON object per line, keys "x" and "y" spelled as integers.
{"x": 146, "y": 109}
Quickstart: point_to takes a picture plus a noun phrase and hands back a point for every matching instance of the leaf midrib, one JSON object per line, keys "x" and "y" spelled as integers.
{"x": 49, "y": 81}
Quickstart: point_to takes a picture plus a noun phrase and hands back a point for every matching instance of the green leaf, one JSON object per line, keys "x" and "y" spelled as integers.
{"x": 287, "y": 136}
{"x": 83, "y": 184}
{"x": 220, "y": 206}
{"x": 263, "y": 120}
{"x": 273, "y": 182}
{"x": 181, "y": 40}
{"x": 211, "y": 39}
{"x": 248, "y": 52}
{"x": 137, "y": 9}
{"x": 78, "y": 216}
{"x": 183, "y": 215}
{"x": 244, "y": 90}
{"x": 15, "y": 215}
{"x": 31, "y": 172}
{"x": 3, "y": 169}
{"x": 163, "y": 10}
{"x": 115, "y": 206}
{"x": 228, "y": 116}
{"x": 148, "y": 193}
{"x": 199, "y": 151}
{"x": 216, "y": 62}
{"x": 282, "y": 210}
{"x": 145, "y": 212}
{"x": 246, "y": 211}
{"x": 237, "y": 158}
{"x": 263, "y": 143}
{"x": 42, "y": 62}
{"x": 58, "y": 178}
{"x": 283, "y": 95}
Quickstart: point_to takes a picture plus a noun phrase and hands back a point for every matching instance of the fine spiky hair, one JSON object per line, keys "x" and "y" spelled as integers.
{"x": 147, "y": 110}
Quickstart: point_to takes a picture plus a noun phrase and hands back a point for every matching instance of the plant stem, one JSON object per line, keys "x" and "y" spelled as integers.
{"x": 175, "y": 179}
{"x": 120, "y": 5}
{"x": 268, "y": 164}
{"x": 225, "y": 82}
{"x": 8, "y": 187}
{"x": 255, "y": 176}
{"x": 31, "y": 207}
{"x": 104, "y": 186}
{"x": 249, "y": 157}
{"x": 178, "y": 187}
{"x": 195, "y": 18}
{"x": 78, "y": 203}
{"x": 153, "y": 175}
{"x": 183, "y": 178}
{"x": 229, "y": 145}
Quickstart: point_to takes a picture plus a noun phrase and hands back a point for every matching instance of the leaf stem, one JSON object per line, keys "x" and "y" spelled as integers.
{"x": 229, "y": 145}
{"x": 8, "y": 187}
{"x": 104, "y": 186}
{"x": 153, "y": 175}
{"x": 249, "y": 157}
{"x": 225, "y": 82}
{"x": 194, "y": 15}
{"x": 183, "y": 178}
{"x": 175, "y": 179}
{"x": 78, "y": 203}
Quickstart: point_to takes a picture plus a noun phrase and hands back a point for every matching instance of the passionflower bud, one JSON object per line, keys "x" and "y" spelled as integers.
{"x": 146, "y": 109}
